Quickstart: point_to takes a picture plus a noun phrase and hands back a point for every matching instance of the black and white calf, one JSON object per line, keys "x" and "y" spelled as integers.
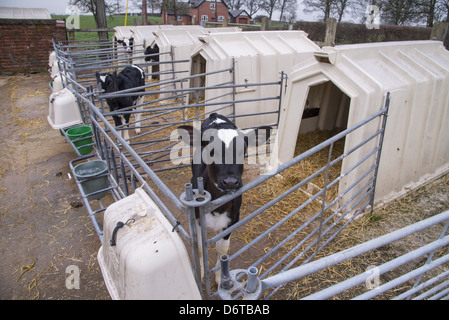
{"x": 128, "y": 45}
{"x": 219, "y": 161}
{"x": 151, "y": 53}
{"x": 130, "y": 77}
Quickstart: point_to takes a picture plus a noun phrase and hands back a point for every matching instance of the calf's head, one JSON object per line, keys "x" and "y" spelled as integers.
{"x": 150, "y": 51}
{"x": 127, "y": 44}
{"x": 108, "y": 82}
{"x": 220, "y": 149}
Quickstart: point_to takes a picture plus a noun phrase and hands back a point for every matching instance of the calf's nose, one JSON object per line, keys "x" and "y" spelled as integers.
{"x": 230, "y": 183}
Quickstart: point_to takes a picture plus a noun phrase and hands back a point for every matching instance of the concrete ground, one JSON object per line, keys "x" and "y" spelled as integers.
{"x": 45, "y": 230}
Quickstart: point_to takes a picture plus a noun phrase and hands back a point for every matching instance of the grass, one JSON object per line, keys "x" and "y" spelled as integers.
{"x": 88, "y": 22}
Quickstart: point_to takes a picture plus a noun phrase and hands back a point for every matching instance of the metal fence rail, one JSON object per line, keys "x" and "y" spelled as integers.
{"x": 430, "y": 249}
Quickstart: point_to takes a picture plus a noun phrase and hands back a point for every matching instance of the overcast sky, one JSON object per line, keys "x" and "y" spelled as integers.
{"x": 59, "y": 6}
{"x": 54, "y": 6}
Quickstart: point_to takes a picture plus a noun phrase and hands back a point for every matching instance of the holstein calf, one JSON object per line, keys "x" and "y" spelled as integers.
{"x": 152, "y": 55}
{"x": 128, "y": 45}
{"x": 152, "y": 51}
{"x": 219, "y": 159}
{"x": 130, "y": 77}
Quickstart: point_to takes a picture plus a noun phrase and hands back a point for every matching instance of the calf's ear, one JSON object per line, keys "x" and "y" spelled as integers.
{"x": 191, "y": 136}
{"x": 186, "y": 134}
{"x": 97, "y": 75}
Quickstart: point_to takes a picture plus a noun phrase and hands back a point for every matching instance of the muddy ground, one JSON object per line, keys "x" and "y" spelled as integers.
{"x": 43, "y": 226}
{"x": 45, "y": 229}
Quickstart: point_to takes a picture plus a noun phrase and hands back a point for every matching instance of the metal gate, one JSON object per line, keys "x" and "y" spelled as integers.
{"x": 302, "y": 231}
{"x": 428, "y": 280}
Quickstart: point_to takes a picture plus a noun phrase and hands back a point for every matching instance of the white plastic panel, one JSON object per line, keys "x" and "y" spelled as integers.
{"x": 63, "y": 110}
{"x": 149, "y": 260}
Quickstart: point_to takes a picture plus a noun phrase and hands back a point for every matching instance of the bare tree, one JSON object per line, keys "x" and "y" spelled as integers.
{"x": 443, "y": 10}
{"x": 176, "y": 7}
{"x": 325, "y": 6}
{"x": 428, "y": 10}
{"x": 144, "y": 13}
{"x": 341, "y": 6}
{"x": 111, "y": 7}
{"x": 400, "y": 12}
{"x": 153, "y": 5}
{"x": 287, "y": 6}
{"x": 269, "y": 6}
{"x": 253, "y": 6}
{"x": 235, "y": 4}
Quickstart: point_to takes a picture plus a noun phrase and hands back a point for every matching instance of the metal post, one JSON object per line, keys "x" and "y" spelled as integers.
{"x": 233, "y": 88}
{"x": 225, "y": 282}
{"x": 381, "y": 141}
{"x": 323, "y": 204}
{"x": 252, "y": 283}
{"x": 193, "y": 235}
{"x": 281, "y": 84}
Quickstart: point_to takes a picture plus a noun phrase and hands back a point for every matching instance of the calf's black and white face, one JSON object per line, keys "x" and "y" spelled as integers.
{"x": 224, "y": 156}
{"x": 127, "y": 44}
{"x": 220, "y": 150}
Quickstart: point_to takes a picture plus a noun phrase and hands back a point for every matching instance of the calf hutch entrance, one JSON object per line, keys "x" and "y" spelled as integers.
{"x": 292, "y": 210}
{"x": 327, "y": 108}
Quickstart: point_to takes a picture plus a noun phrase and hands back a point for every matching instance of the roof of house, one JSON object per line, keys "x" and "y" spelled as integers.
{"x": 236, "y": 13}
{"x": 197, "y": 3}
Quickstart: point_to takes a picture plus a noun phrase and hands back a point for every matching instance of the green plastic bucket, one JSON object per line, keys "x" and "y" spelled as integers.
{"x": 80, "y": 132}
{"x": 89, "y": 173}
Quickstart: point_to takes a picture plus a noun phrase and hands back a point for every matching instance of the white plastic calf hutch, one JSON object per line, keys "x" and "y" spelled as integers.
{"x": 183, "y": 42}
{"x": 258, "y": 57}
{"x": 123, "y": 32}
{"x": 349, "y": 83}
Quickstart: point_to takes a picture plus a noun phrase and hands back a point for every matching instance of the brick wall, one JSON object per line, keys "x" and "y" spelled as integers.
{"x": 26, "y": 44}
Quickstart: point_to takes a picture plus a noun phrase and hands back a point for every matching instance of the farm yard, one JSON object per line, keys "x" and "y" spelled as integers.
{"x": 344, "y": 148}
{"x": 45, "y": 227}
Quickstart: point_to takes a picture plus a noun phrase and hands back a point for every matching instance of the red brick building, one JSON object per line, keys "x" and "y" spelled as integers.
{"x": 26, "y": 43}
{"x": 208, "y": 11}
{"x": 239, "y": 16}
{"x": 201, "y": 11}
